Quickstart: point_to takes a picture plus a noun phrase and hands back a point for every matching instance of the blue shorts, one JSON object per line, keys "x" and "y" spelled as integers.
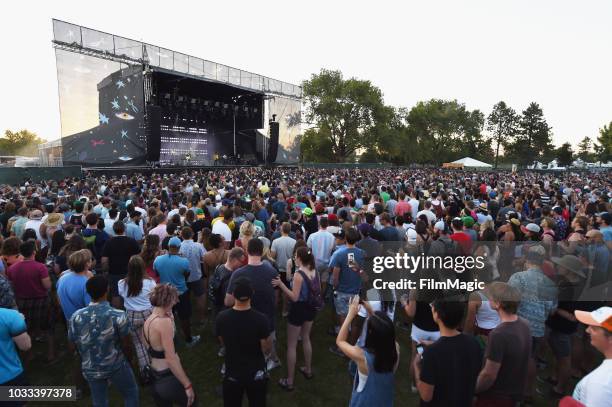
{"x": 560, "y": 343}
{"x": 341, "y": 302}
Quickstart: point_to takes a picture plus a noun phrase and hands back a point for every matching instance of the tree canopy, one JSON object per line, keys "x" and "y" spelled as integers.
{"x": 349, "y": 121}
{"x": 502, "y": 123}
{"x": 348, "y": 113}
{"x": 22, "y": 142}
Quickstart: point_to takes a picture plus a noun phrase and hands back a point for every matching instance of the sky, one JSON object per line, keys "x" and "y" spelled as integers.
{"x": 554, "y": 52}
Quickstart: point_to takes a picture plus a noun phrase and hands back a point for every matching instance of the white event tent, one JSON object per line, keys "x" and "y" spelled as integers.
{"x": 470, "y": 162}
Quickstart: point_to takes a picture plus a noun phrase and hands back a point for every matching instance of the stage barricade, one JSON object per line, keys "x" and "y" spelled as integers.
{"x": 17, "y": 175}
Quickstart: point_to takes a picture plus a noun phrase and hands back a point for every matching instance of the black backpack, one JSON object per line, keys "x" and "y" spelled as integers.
{"x": 315, "y": 298}
{"x": 217, "y": 282}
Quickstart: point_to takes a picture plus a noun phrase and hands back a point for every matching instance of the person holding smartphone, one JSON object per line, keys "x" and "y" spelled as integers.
{"x": 377, "y": 360}
{"x": 346, "y": 266}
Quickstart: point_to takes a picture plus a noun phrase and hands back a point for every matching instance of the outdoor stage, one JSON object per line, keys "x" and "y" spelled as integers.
{"x": 128, "y": 103}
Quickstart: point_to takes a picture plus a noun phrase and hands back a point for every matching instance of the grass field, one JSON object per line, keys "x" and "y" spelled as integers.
{"x": 331, "y": 385}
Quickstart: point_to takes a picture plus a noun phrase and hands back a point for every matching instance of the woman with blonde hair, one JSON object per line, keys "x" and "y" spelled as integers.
{"x": 135, "y": 290}
{"x": 170, "y": 382}
{"x": 246, "y": 233}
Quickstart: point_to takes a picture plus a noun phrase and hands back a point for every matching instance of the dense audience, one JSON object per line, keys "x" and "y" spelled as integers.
{"x": 109, "y": 263}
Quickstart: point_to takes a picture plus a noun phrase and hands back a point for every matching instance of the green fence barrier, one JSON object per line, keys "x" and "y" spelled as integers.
{"x": 17, "y": 175}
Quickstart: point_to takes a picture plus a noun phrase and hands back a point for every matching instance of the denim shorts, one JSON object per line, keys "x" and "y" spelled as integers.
{"x": 560, "y": 343}
{"x": 341, "y": 302}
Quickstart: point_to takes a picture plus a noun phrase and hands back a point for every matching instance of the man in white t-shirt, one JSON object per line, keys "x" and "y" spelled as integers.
{"x": 34, "y": 223}
{"x": 595, "y": 389}
{"x": 221, "y": 227}
{"x": 431, "y": 217}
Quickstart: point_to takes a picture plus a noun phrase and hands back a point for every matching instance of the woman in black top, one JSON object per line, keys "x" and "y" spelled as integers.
{"x": 170, "y": 382}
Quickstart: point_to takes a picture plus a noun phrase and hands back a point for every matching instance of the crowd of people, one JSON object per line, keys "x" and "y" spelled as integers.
{"x": 110, "y": 264}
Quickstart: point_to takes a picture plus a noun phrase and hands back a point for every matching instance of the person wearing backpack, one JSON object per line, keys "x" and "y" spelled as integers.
{"x": 306, "y": 300}
{"x": 217, "y": 286}
{"x": 95, "y": 238}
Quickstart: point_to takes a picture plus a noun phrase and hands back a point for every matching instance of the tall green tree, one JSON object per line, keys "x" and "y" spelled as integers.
{"x": 502, "y": 123}
{"x": 533, "y": 141}
{"x": 584, "y": 149}
{"x": 605, "y": 143}
{"x": 564, "y": 155}
{"x": 473, "y": 143}
{"x": 22, "y": 142}
{"x": 444, "y": 130}
{"x": 316, "y": 147}
{"x": 350, "y": 113}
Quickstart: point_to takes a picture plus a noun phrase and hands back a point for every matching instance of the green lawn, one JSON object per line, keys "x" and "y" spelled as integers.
{"x": 331, "y": 385}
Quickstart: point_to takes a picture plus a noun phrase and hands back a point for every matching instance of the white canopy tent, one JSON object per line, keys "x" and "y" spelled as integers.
{"x": 470, "y": 162}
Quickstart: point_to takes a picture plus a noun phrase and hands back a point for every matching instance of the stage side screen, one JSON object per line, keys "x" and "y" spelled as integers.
{"x": 288, "y": 114}
{"x": 101, "y": 110}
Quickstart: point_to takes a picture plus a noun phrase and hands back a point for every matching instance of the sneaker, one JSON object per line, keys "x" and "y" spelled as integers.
{"x": 221, "y": 352}
{"x": 194, "y": 340}
{"x": 272, "y": 364}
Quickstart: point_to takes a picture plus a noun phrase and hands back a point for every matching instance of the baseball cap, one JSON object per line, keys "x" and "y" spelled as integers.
{"x": 365, "y": 229}
{"x": 307, "y": 211}
{"x": 174, "y": 242}
{"x": 606, "y": 217}
{"x": 243, "y": 289}
{"x": 468, "y": 221}
{"x": 601, "y": 317}
{"x": 440, "y": 225}
{"x": 531, "y": 227}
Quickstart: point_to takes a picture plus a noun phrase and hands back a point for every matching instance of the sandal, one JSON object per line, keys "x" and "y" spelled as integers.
{"x": 285, "y": 385}
{"x": 306, "y": 375}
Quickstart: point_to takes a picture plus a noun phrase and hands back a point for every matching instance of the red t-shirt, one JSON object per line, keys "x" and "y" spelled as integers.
{"x": 152, "y": 274}
{"x": 464, "y": 241}
{"x": 483, "y": 189}
{"x": 26, "y": 278}
{"x": 402, "y": 207}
